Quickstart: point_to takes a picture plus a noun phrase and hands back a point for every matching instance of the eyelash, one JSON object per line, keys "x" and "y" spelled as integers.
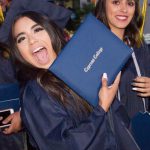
{"x": 38, "y": 29}
{"x": 116, "y": 2}
{"x": 20, "y": 39}
{"x": 131, "y": 3}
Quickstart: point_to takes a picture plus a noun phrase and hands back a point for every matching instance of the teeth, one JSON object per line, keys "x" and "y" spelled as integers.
{"x": 122, "y": 17}
{"x": 37, "y": 49}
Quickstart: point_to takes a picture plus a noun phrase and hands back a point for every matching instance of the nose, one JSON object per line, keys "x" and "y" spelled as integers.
{"x": 123, "y": 7}
{"x": 32, "y": 39}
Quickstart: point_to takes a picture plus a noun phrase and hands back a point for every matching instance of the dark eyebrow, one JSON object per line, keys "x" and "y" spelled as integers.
{"x": 34, "y": 26}
{"x": 131, "y": 0}
{"x": 22, "y": 33}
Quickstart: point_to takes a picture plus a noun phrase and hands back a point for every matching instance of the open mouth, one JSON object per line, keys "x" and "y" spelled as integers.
{"x": 38, "y": 49}
{"x": 41, "y": 55}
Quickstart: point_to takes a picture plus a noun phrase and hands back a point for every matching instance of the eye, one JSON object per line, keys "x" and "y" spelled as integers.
{"x": 116, "y": 2}
{"x": 20, "y": 39}
{"x": 38, "y": 29}
{"x": 131, "y": 3}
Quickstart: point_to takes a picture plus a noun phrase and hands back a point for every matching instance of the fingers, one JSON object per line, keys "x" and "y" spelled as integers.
{"x": 15, "y": 125}
{"x": 107, "y": 94}
{"x": 143, "y": 94}
{"x": 8, "y": 119}
{"x": 8, "y": 130}
{"x": 11, "y": 129}
{"x": 142, "y": 82}
{"x": 104, "y": 80}
{"x": 142, "y": 79}
{"x": 142, "y": 86}
{"x": 117, "y": 80}
{"x": 142, "y": 90}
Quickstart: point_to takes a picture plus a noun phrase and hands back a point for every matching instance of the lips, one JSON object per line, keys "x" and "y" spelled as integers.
{"x": 37, "y": 49}
{"x": 41, "y": 55}
{"x": 121, "y": 17}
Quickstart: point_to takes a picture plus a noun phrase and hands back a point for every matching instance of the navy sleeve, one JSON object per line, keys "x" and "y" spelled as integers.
{"x": 52, "y": 128}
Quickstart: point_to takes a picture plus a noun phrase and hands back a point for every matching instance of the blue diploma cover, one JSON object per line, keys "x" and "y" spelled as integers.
{"x": 92, "y": 51}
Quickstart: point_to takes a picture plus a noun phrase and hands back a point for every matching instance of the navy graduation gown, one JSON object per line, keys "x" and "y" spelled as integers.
{"x": 55, "y": 127}
{"x": 129, "y": 98}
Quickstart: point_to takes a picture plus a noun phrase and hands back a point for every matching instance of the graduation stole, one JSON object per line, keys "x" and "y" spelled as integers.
{"x": 1, "y": 15}
{"x": 144, "y": 8}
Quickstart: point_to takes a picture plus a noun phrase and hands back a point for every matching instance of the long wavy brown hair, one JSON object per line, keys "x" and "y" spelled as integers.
{"x": 46, "y": 79}
{"x": 132, "y": 30}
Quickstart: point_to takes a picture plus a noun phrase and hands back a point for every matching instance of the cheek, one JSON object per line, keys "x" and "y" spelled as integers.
{"x": 109, "y": 12}
{"x": 20, "y": 49}
{"x": 132, "y": 15}
{"x": 43, "y": 35}
{"x": 132, "y": 12}
{"x": 23, "y": 52}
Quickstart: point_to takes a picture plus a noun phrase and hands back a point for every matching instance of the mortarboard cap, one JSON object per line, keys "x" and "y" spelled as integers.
{"x": 58, "y": 14}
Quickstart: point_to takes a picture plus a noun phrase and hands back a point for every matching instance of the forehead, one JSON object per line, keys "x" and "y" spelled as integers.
{"x": 23, "y": 24}
{"x": 24, "y": 20}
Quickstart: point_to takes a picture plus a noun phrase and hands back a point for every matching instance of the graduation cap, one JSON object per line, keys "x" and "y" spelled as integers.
{"x": 58, "y": 14}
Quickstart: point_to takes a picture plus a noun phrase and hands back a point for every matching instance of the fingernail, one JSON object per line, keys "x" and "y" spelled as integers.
{"x": 4, "y": 122}
{"x": 110, "y": 86}
{"x": 134, "y": 89}
{"x": 105, "y": 75}
{"x": 135, "y": 78}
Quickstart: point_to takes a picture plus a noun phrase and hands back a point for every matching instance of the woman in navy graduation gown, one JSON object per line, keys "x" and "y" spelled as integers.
{"x": 124, "y": 20}
{"x": 54, "y": 116}
{"x": 132, "y": 99}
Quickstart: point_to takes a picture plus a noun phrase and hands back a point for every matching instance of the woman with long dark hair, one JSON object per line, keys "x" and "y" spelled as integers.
{"x": 55, "y": 116}
{"x": 124, "y": 19}
{"x": 125, "y": 22}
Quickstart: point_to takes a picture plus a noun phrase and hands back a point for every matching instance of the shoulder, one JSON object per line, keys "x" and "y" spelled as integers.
{"x": 142, "y": 50}
{"x": 36, "y": 100}
{"x": 33, "y": 93}
{"x": 34, "y": 88}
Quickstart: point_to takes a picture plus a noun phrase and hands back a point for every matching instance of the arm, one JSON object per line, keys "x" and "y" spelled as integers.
{"x": 52, "y": 127}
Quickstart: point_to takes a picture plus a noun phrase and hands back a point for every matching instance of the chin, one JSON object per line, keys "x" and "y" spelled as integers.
{"x": 46, "y": 66}
{"x": 122, "y": 26}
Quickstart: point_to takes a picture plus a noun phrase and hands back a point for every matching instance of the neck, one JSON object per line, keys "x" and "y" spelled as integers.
{"x": 119, "y": 33}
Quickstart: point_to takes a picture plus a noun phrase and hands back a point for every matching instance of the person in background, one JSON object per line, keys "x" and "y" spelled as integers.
{"x": 9, "y": 137}
{"x": 123, "y": 18}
